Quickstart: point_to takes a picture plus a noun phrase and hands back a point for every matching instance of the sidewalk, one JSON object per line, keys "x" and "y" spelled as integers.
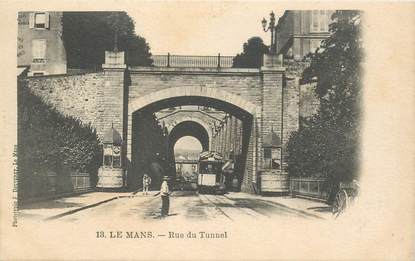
{"x": 55, "y": 207}
{"x": 38, "y": 211}
{"x": 312, "y": 207}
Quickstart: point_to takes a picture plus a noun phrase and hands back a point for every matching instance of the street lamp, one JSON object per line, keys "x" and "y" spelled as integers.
{"x": 271, "y": 27}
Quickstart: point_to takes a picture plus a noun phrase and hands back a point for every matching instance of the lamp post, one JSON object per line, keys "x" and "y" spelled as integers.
{"x": 271, "y": 27}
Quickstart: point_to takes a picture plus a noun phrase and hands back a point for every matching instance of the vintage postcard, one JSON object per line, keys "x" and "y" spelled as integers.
{"x": 183, "y": 130}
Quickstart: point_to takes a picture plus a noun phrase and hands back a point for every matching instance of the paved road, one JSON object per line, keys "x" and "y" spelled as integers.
{"x": 190, "y": 205}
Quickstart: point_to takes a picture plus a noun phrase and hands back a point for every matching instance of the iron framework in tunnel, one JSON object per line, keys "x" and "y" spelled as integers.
{"x": 151, "y": 142}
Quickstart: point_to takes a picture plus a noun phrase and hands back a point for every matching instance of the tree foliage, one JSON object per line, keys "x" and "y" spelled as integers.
{"x": 327, "y": 145}
{"x": 87, "y": 35}
{"x": 51, "y": 142}
{"x": 252, "y": 55}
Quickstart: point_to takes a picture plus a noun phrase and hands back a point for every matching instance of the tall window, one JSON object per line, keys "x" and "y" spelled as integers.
{"x": 319, "y": 21}
{"x": 39, "y": 20}
{"x": 38, "y": 50}
{"x": 108, "y": 155}
{"x": 116, "y": 157}
{"x": 272, "y": 158}
{"x": 112, "y": 156}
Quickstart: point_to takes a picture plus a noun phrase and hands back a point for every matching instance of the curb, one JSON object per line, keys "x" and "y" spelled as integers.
{"x": 55, "y": 196}
{"x": 85, "y": 207}
{"x": 302, "y": 211}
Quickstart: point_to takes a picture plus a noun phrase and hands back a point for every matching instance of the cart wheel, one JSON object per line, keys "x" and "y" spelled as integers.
{"x": 340, "y": 203}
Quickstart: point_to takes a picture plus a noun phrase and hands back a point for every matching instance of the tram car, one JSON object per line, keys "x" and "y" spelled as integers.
{"x": 210, "y": 178}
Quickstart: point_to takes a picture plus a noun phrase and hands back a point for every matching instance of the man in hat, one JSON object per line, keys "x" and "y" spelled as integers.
{"x": 228, "y": 171}
{"x": 146, "y": 183}
{"x": 165, "y": 200}
{"x": 156, "y": 169}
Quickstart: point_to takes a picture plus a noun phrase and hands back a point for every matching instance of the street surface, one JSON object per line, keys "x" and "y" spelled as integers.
{"x": 192, "y": 206}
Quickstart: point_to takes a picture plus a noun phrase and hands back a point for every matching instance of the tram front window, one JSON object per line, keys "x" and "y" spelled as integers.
{"x": 210, "y": 168}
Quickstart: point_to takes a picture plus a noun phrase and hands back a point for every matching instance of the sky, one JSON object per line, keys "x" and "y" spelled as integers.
{"x": 200, "y": 28}
{"x": 188, "y": 142}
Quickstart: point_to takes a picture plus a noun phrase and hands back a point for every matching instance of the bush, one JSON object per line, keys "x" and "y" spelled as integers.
{"x": 252, "y": 55}
{"x": 327, "y": 145}
{"x": 51, "y": 142}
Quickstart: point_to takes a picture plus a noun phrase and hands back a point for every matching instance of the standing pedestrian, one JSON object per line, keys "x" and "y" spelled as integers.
{"x": 157, "y": 169}
{"x": 146, "y": 183}
{"x": 165, "y": 200}
{"x": 228, "y": 171}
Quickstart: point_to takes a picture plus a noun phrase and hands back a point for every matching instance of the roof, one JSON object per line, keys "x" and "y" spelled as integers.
{"x": 210, "y": 155}
{"x": 271, "y": 140}
{"x": 22, "y": 70}
{"x": 112, "y": 136}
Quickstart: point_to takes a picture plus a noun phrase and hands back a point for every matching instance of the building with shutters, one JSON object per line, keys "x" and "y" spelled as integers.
{"x": 39, "y": 43}
{"x": 300, "y": 32}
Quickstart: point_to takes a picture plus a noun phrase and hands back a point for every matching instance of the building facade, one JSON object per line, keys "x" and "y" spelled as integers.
{"x": 300, "y": 32}
{"x": 39, "y": 43}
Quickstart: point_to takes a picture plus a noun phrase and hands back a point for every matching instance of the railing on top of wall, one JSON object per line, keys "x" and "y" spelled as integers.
{"x": 308, "y": 187}
{"x": 192, "y": 61}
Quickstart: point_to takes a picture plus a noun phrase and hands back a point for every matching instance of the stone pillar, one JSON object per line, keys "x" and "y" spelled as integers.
{"x": 273, "y": 81}
{"x": 225, "y": 137}
{"x": 221, "y": 138}
{"x": 110, "y": 97}
{"x": 235, "y": 144}
{"x": 218, "y": 140}
{"x": 230, "y": 135}
{"x": 238, "y": 138}
{"x": 212, "y": 139}
{"x": 272, "y": 94}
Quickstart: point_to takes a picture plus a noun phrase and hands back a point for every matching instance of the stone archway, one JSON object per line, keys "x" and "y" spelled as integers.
{"x": 200, "y": 122}
{"x": 191, "y": 94}
{"x": 189, "y": 128}
{"x": 212, "y": 93}
{"x": 246, "y": 111}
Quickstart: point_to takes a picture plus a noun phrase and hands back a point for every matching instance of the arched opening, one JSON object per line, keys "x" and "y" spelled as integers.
{"x": 189, "y": 128}
{"x": 186, "y": 154}
{"x": 188, "y": 143}
{"x": 150, "y": 141}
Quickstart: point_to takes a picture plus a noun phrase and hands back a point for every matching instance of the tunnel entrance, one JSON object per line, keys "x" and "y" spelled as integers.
{"x": 189, "y": 128}
{"x": 220, "y": 126}
{"x": 186, "y": 153}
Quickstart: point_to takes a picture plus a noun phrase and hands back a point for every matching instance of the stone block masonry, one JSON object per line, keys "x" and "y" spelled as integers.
{"x": 72, "y": 95}
{"x": 309, "y": 102}
{"x": 93, "y": 98}
{"x": 111, "y": 102}
{"x": 291, "y": 110}
{"x": 261, "y": 99}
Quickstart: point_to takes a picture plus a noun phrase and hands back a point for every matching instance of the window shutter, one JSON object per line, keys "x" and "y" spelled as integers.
{"x": 31, "y": 20}
{"x": 47, "y": 20}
